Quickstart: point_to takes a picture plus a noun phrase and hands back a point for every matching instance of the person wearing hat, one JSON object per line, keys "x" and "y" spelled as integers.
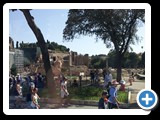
{"x": 112, "y": 100}
{"x": 103, "y": 100}
{"x": 122, "y": 87}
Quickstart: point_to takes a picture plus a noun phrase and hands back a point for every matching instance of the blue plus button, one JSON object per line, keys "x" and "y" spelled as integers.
{"x": 147, "y": 99}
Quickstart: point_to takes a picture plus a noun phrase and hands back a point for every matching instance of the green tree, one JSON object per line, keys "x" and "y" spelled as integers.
{"x": 113, "y": 26}
{"x": 133, "y": 57}
{"x": 14, "y": 70}
{"x": 112, "y": 59}
{"x": 17, "y": 45}
{"x": 50, "y": 46}
{"x": 45, "y": 56}
{"x": 126, "y": 60}
{"x": 21, "y": 45}
{"x": 97, "y": 62}
{"x": 27, "y": 62}
{"x": 32, "y": 45}
{"x": 142, "y": 61}
{"x": 94, "y": 61}
{"x": 41, "y": 43}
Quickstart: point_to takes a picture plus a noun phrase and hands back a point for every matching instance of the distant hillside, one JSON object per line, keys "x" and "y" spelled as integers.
{"x": 32, "y": 49}
{"x": 50, "y": 45}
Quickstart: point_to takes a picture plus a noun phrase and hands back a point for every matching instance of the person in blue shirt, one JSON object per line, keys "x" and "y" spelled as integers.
{"x": 112, "y": 100}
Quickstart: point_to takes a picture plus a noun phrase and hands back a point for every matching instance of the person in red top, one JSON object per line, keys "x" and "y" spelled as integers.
{"x": 122, "y": 87}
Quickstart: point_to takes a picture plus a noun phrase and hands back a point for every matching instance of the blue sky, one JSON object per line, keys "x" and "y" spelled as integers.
{"x": 51, "y": 24}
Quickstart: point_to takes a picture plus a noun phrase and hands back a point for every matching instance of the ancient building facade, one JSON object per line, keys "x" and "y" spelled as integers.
{"x": 71, "y": 62}
{"x": 79, "y": 59}
{"x": 16, "y": 56}
{"x": 19, "y": 60}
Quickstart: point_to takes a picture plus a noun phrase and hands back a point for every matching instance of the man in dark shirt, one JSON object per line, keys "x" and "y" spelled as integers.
{"x": 101, "y": 102}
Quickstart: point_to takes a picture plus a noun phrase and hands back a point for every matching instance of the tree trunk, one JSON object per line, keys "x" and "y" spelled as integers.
{"x": 119, "y": 67}
{"x": 45, "y": 56}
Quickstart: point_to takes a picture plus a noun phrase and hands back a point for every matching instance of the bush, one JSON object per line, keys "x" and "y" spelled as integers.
{"x": 64, "y": 70}
{"x": 85, "y": 93}
{"x": 122, "y": 96}
{"x": 14, "y": 70}
{"x": 27, "y": 62}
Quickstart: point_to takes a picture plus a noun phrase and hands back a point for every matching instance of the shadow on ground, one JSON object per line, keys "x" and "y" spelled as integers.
{"x": 134, "y": 106}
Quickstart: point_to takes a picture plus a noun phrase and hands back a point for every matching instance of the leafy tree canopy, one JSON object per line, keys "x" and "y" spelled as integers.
{"x": 111, "y": 25}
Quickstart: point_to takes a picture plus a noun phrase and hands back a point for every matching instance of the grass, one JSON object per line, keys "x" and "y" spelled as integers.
{"x": 122, "y": 96}
{"x": 85, "y": 93}
{"x": 72, "y": 77}
{"x": 93, "y": 93}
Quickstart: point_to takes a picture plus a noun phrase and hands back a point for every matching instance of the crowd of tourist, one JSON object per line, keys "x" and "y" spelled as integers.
{"x": 28, "y": 87}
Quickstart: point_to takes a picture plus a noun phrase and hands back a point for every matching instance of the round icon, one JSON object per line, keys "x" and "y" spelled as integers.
{"x": 147, "y": 99}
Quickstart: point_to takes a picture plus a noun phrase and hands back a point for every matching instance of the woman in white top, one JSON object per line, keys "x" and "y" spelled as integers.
{"x": 35, "y": 97}
{"x": 64, "y": 91}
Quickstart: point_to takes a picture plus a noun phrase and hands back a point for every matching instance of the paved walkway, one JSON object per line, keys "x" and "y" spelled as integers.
{"x": 79, "y": 107}
{"x": 135, "y": 88}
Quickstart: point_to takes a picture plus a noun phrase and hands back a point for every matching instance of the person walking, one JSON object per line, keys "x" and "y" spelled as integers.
{"x": 64, "y": 92}
{"x": 112, "y": 100}
{"x": 35, "y": 97}
{"x": 122, "y": 85}
{"x": 103, "y": 100}
{"x": 108, "y": 79}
